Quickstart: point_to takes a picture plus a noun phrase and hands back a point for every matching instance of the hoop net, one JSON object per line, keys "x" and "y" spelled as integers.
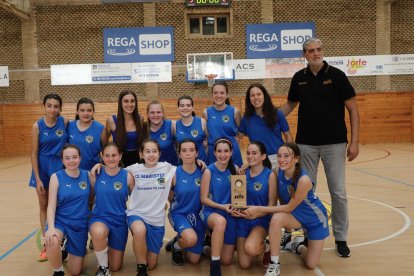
{"x": 210, "y": 79}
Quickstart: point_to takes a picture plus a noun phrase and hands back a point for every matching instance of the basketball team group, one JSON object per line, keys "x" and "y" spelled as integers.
{"x": 107, "y": 181}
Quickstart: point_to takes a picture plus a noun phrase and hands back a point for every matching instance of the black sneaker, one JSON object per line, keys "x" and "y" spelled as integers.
{"x": 59, "y": 273}
{"x": 286, "y": 238}
{"x": 63, "y": 248}
{"x": 177, "y": 256}
{"x": 169, "y": 244}
{"x": 207, "y": 246}
{"x": 342, "y": 249}
{"x": 215, "y": 268}
{"x": 142, "y": 270}
{"x": 103, "y": 271}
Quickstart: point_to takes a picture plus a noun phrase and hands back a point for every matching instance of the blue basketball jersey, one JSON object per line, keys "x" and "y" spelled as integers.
{"x": 132, "y": 137}
{"x": 310, "y": 212}
{"x": 257, "y": 188}
{"x": 52, "y": 139}
{"x": 194, "y": 132}
{"x": 165, "y": 139}
{"x": 220, "y": 186}
{"x": 186, "y": 192}
{"x": 88, "y": 141}
{"x": 111, "y": 194}
{"x": 221, "y": 123}
{"x": 257, "y": 130}
{"x": 73, "y": 195}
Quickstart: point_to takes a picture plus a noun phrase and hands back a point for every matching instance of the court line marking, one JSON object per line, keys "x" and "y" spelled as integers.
{"x": 384, "y": 177}
{"x": 18, "y": 245}
{"x": 388, "y": 153}
{"x": 405, "y": 227}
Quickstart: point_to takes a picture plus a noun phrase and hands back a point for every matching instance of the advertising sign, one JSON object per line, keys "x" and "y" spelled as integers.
{"x": 4, "y": 76}
{"x": 149, "y": 44}
{"x": 283, "y": 40}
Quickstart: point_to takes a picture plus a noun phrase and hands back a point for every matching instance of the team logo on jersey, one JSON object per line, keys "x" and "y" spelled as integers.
{"x": 194, "y": 133}
{"x": 89, "y": 139}
{"x": 83, "y": 185}
{"x": 161, "y": 181}
{"x": 59, "y": 132}
{"x": 197, "y": 181}
{"x": 117, "y": 186}
{"x": 163, "y": 136}
{"x": 225, "y": 118}
{"x": 257, "y": 186}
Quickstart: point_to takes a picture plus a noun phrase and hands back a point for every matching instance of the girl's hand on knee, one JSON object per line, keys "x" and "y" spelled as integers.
{"x": 50, "y": 235}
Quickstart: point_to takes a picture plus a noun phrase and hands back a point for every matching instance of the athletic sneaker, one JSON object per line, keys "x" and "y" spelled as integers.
{"x": 207, "y": 246}
{"x": 266, "y": 256}
{"x": 294, "y": 245}
{"x": 42, "y": 256}
{"x": 286, "y": 238}
{"x": 342, "y": 249}
{"x": 59, "y": 273}
{"x": 142, "y": 270}
{"x": 103, "y": 271}
{"x": 177, "y": 256}
{"x": 170, "y": 243}
{"x": 215, "y": 268}
{"x": 63, "y": 248}
{"x": 273, "y": 270}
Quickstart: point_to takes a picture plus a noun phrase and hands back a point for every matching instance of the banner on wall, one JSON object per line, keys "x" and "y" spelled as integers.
{"x": 273, "y": 68}
{"x": 148, "y": 44}
{"x": 104, "y": 73}
{"x": 283, "y": 40}
{"x": 4, "y": 76}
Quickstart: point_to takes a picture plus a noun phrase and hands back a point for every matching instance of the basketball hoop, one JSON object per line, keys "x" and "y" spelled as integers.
{"x": 210, "y": 79}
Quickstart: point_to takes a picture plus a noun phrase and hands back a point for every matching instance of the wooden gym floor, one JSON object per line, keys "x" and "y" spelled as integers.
{"x": 380, "y": 187}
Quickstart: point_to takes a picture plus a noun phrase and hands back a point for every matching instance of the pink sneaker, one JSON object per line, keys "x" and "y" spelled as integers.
{"x": 42, "y": 256}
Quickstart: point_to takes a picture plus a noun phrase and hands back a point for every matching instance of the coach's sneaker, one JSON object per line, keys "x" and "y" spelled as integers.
{"x": 295, "y": 243}
{"x": 177, "y": 256}
{"x": 342, "y": 249}
{"x": 42, "y": 256}
{"x": 215, "y": 268}
{"x": 273, "y": 269}
{"x": 142, "y": 270}
{"x": 103, "y": 271}
{"x": 285, "y": 240}
{"x": 58, "y": 273}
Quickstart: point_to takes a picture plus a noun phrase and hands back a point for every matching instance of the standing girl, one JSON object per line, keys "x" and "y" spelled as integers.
{"x": 263, "y": 122}
{"x": 86, "y": 133}
{"x": 261, "y": 191}
{"x": 108, "y": 225}
{"x": 48, "y": 138}
{"x": 162, "y": 131}
{"x": 191, "y": 126}
{"x": 127, "y": 128}
{"x": 146, "y": 208}
{"x": 186, "y": 206}
{"x": 223, "y": 120}
{"x": 68, "y": 212}
{"x": 302, "y": 209}
{"x": 217, "y": 210}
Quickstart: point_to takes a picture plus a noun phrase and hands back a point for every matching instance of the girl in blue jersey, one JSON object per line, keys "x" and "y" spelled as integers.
{"x": 127, "y": 127}
{"x": 301, "y": 209}
{"x": 186, "y": 206}
{"x": 217, "y": 210}
{"x": 108, "y": 226}
{"x": 261, "y": 191}
{"x": 191, "y": 126}
{"x": 223, "y": 120}
{"x": 86, "y": 133}
{"x": 146, "y": 207}
{"x": 162, "y": 131}
{"x": 263, "y": 122}
{"x": 48, "y": 138}
{"x": 68, "y": 212}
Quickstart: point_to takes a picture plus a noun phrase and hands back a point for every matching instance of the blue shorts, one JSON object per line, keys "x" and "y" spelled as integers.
{"x": 245, "y": 226}
{"x": 231, "y": 228}
{"x": 76, "y": 232}
{"x": 48, "y": 165}
{"x": 155, "y": 234}
{"x": 118, "y": 231}
{"x": 191, "y": 221}
{"x": 317, "y": 232}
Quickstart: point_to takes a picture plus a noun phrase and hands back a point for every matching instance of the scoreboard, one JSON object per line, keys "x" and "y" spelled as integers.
{"x": 203, "y": 3}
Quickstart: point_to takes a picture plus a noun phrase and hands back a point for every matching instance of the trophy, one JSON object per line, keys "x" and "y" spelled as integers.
{"x": 238, "y": 191}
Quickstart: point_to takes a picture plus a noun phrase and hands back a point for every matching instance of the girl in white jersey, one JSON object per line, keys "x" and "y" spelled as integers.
{"x": 146, "y": 212}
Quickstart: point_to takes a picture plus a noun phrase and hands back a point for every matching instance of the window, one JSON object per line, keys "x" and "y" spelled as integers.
{"x": 208, "y": 25}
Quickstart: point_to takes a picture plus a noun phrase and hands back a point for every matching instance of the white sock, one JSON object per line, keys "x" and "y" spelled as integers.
{"x": 177, "y": 246}
{"x": 102, "y": 257}
{"x": 59, "y": 269}
{"x": 274, "y": 259}
{"x": 215, "y": 258}
{"x": 267, "y": 247}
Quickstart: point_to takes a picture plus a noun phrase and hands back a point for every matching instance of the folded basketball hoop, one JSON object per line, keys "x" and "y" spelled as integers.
{"x": 210, "y": 79}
